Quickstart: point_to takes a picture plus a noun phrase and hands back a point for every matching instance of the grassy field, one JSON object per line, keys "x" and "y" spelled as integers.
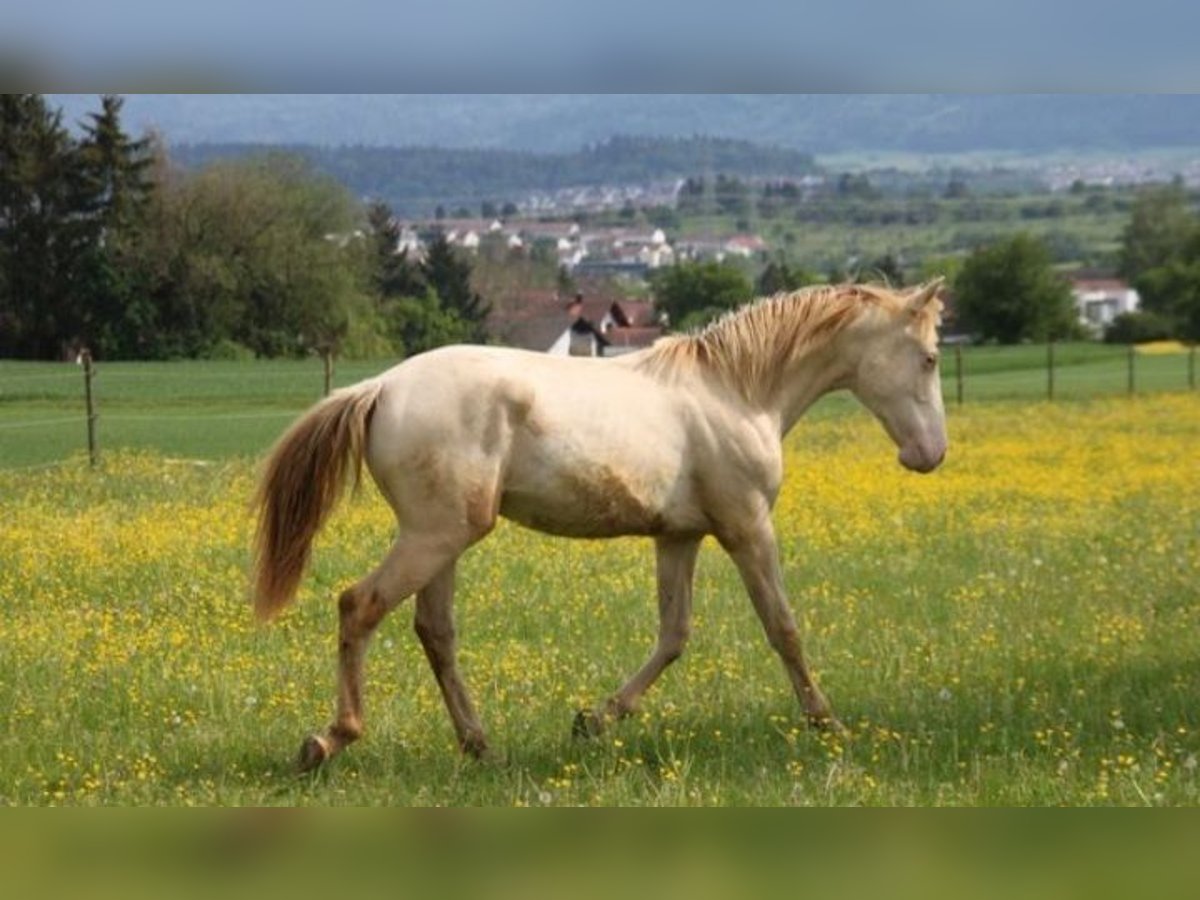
{"x": 1077, "y": 233}
{"x": 1020, "y": 627}
{"x": 218, "y": 410}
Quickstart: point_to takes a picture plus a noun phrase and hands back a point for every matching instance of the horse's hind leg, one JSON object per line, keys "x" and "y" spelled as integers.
{"x": 676, "y": 563}
{"x": 434, "y": 624}
{"x": 414, "y": 561}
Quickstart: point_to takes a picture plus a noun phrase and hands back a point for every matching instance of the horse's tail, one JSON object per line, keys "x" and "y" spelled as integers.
{"x": 300, "y": 485}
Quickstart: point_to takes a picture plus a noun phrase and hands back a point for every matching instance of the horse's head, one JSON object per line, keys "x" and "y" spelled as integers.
{"x": 897, "y": 377}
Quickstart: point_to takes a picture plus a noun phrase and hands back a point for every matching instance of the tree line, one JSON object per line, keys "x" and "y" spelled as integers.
{"x": 105, "y": 244}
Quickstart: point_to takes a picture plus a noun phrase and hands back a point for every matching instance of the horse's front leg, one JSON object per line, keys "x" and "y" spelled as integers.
{"x": 676, "y": 565}
{"x": 756, "y": 555}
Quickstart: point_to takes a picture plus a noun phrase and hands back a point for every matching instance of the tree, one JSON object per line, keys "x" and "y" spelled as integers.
{"x": 1171, "y": 292}
{"x": 856, "y": 185}
{"x": 778, "y": 277}
{"x": 887, "y": 268}
{"x": 956, "y": 189}
{"x": 47, "y": 230}
{"x": 449, "y": 276}
{"x": 261, "y": 253}
{"x": 732, "y": 195}
{"x": 1160, "y": 254}
{"x": 392, "y": 274}
{"x": 1160, "y": 226}
{"x": 692, "y": 293}
{"x": 1009, "y": 293}
{"x": 417, "y": 324}
{"x": 118, "y": 165}
{"x": 120, "y": 175}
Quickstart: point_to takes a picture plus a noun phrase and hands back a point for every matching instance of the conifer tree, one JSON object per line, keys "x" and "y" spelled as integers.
{"x": 47, "y": 228}
{"x": 450, "y": 277}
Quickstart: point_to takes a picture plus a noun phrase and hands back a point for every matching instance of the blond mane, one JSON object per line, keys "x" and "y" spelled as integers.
{"x": 751, "y": 347}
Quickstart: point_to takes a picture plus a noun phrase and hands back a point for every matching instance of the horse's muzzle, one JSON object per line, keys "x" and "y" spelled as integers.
{"x": 918, "y": 458}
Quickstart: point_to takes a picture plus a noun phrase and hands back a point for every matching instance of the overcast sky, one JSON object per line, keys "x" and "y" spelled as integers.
{"x": 538, "y": 45}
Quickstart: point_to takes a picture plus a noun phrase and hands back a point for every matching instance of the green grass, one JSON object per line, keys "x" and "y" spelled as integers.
{"x": 218, "y": 410}
{"x": 195, "y": 410}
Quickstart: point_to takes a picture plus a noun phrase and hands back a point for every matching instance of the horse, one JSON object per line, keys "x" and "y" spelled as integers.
{"x": 677, "y": 441}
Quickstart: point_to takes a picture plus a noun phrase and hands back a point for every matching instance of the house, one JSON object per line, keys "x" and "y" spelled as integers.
{"x": 743, "y": 246}
{"x": 410, "y": 243}
{"x": 583, "y": 326}
{"x": 1099, "y": 300}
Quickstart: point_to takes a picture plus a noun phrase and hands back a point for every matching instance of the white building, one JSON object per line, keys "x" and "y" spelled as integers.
{"x": 1100, "y": 300}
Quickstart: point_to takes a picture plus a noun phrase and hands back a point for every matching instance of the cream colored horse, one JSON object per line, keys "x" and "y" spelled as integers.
{"x": 677, "y": 441}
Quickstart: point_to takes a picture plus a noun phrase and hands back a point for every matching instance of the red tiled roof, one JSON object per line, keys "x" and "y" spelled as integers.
{"x": 1099, "y": 284}
{"x": 635, "y": 336}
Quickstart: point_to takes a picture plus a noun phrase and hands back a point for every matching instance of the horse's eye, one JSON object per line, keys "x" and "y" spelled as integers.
{"x": 931, "y": 360}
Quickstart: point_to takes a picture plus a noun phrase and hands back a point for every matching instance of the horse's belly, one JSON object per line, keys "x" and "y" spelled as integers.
{"x": 601, "y": 503}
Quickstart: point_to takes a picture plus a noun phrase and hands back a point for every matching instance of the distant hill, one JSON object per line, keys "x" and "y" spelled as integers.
{"x": 416, "y": 179}
{"x": 562, "y": 123}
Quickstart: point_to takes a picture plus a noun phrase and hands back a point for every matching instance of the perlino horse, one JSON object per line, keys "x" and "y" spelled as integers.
{"x": 677, "y": 441}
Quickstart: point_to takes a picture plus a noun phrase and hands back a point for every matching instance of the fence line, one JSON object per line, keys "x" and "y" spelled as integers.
{"x": 1107, "y": 372}
{"x": 1075, "y": 370}
{"x": 188, "y": 417}
{"x": 58, "y": 376}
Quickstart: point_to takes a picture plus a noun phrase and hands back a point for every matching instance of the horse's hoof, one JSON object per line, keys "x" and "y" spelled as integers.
{"x": 829, "y": 725}
{"x": 476, "y": 747}
{"x": 587, "y": 724}
{"x": 313, "y": 752}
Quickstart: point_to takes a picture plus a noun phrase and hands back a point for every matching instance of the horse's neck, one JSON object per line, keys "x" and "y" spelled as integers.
{"x": 811, "y": 377}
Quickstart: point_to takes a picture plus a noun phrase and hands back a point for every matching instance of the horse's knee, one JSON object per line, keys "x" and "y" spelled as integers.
{"x": 347, "y": 602}
{"x": 673, "y": 644}
{"x": 360, "y": 609}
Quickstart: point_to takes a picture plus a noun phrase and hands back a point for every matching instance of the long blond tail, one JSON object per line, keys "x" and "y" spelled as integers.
{"x": 302, "y": 482}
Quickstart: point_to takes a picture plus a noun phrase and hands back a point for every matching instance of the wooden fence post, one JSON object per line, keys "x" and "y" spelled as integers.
{"x": 327, "y": 359}
{"x": 89, "y": 372}
{"x": 1192, "y": 366}
{"x": 1050, "y": 369}
{"x": 1132, "y": 355}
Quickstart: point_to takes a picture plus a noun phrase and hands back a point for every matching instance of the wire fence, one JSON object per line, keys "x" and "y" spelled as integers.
{"x": 216, "y": 410}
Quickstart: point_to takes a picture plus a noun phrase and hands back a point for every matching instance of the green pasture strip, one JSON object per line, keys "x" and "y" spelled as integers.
{"x": 216, "y": 410}
{"x": 287, "y": 383}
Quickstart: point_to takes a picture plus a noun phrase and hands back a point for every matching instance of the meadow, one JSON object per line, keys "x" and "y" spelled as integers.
{"x": 1020, "y": 627}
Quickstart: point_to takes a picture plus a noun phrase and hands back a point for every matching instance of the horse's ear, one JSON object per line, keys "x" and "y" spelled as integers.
{"x": 922, "y": 295}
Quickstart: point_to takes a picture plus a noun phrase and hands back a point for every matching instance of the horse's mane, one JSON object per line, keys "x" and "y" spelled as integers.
{"x": 751, "y": 347}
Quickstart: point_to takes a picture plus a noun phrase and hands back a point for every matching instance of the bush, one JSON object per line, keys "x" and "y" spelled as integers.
{"x": 1139, "y": 327}
{"x": 228, "y": 350}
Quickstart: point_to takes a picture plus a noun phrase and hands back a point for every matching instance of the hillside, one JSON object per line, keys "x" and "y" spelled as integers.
{"x": 416, "y": 179}
{"x": 815, "y": 123}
